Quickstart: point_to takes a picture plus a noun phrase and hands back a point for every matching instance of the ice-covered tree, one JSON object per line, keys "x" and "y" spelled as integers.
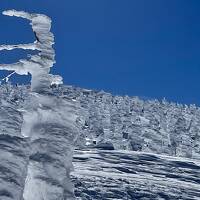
{"x": 49, "y": 124}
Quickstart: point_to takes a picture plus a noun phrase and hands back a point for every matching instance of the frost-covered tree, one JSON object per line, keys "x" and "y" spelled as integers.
{"x": 42, "y": 132}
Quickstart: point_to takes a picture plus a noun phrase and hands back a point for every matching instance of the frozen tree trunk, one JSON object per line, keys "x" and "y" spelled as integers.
{"x": 50, "y": 125}
{"x": 49, "y": 128}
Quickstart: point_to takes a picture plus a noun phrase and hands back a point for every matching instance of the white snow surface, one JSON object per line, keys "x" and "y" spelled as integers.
{"x": 125, "y": 175}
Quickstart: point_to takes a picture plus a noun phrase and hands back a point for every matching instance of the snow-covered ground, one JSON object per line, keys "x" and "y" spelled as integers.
{"x": 98, "y": 174}
{"x": 127, "y": 175}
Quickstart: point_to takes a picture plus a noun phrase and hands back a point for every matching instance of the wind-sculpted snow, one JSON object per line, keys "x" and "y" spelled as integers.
{"x": 50, "y": 125}
{"x": 134, "y": 175}
{"x": 13, "y": 153}
{"x": 38, "y": 129}
{"x": 37, "y": 134}
{"x": 38, "y": 65}
{"x": 99, "y": 174}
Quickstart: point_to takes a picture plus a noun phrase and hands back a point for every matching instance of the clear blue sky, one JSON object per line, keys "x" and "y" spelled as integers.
{"x": 134, "y": 47}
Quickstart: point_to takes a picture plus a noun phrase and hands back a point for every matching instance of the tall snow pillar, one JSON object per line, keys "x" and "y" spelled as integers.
{"x": 49, "y": 122}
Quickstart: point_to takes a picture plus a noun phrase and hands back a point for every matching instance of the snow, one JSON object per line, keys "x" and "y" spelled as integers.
{"x": 134, "y": 175}
{"x": 37, "y": 134}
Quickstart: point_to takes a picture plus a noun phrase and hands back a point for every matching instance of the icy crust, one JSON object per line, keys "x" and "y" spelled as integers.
{"x": 38, "y": 65}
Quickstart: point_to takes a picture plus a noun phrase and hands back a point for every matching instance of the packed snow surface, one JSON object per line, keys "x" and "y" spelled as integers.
{"x": 124, "y": 175}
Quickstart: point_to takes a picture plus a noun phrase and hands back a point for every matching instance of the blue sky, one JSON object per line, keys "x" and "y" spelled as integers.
{"x": 134, "y": 47}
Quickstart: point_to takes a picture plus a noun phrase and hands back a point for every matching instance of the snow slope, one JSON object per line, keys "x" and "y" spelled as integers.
{"x": 98, "y": 174}
{"x": 131, "y": 123}
{"x": 127, "y": 175}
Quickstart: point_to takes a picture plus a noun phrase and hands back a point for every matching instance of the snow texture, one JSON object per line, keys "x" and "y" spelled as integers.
{"x": 134, "y": 173}
{"x": 37, "y": 134}
{"x": 126, "y": 175}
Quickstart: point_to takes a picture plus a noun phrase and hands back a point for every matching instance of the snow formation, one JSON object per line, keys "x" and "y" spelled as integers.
{"x": 38, "y": 65}
{"x": 37, "y": 134}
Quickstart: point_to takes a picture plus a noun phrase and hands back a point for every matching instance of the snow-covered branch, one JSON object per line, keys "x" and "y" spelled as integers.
{"x": 38, "y": 65}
